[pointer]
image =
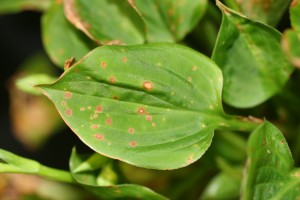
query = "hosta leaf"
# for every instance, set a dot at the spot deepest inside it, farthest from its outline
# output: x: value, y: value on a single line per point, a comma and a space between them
x: 106, y: 21
x: 62, y: 45
x: 265, y: 11
x: 270, y: 173
x: 88, y: 176
x: 9, y: 6
x: 154, y: 106
x: 291, y: 38
x: 245, y: 51
x: 170, y: 20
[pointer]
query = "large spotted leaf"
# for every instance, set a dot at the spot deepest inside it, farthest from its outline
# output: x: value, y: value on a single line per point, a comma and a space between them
x: 270, y: 170
x: 245, y: 51
x: 170, y: 20
x: 153, y: 106
x: 106, y: 21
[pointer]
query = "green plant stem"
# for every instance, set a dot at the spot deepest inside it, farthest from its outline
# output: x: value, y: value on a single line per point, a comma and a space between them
x: 55, y: 174
x: 238, y: 123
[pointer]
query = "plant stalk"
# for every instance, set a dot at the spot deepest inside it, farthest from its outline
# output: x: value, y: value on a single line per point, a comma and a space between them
x: 55, y: 174
x: 238, y: 123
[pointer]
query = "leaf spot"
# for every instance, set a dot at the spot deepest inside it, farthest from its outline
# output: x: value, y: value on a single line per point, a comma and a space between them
x: 94, y: 126
x: 88, y: 77
x: 68, y: 95
x: 133, y: 143
x: 99, y: 109
x: 141, y: 110
x: 99, y: 137
x: 103, y: 64
x: 131, y: 130
x: 89, y: 107
x: 268, y: 151
x: 153, y: 124
x: 194, y: 68
x: 149, y: 118
x: 108, y: 121
x: 148, y: 85
x: 69, y: 112
x: 189, y: 79
x: 95, y: 115
x: 112, y: 79
x: 63, y: 103
x: 203, y: 125
x: 190, y: 159
x: 172, y: 93
x: 124, y: 59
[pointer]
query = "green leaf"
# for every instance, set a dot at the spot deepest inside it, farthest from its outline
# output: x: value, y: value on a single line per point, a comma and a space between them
x: 245, y: 51
x: 62, y: 45
x: 13, y: 6
x: 154, y: 106
x: 266, y: 11
x: 26, y: 84
x: 89, y: 178
x: 170, y: 20
x: 291, y: 38
x: 222, y: 186
x: 106, y: 21
x: 11, y: 163
x: 270, y: 173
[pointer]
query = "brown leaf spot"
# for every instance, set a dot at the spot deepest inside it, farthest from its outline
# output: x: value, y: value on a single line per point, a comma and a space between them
x: 99, y: 136
x: 94, y: 126
x: 131, y: 130
x: 112, y: 79
x: 141, y: 110
x: 115, y: 97
x: 190, y: 159
x: 68, y: 95
x: 69, y: 112
x: 103, y: 64
x: 68, y: 63
x: 194, y: 68
x: 124, y: 59
x: 108, y: 121
x: 82, y: 109
x: 99, y: 109
x: 294, y: 3
x: 148, y: 85
x: 133, y: 143
x: 63, y: 103
x: 149, y: 118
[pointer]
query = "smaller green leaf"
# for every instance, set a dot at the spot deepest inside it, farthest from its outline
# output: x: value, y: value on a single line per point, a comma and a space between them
x: 100, y: 179
x: 291, y: 38
x: 245, y: 51
x: 106, y: 21
x: 62, y: 45
x: 222, y: 186
x: 265, y: 11
x: 170, y: 20
x: 27, y: 83
x: 270, y: 173
x: 13, y: 6
x: 10, y: 162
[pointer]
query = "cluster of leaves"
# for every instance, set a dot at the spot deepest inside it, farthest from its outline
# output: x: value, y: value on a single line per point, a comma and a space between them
x: 143, y: 99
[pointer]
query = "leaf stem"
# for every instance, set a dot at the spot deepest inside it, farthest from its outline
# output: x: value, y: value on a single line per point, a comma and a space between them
x: 55, y: 174
x: 238, y: 123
